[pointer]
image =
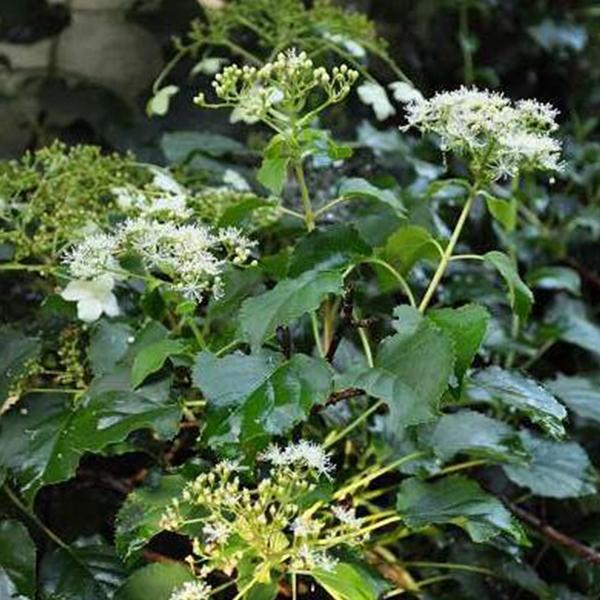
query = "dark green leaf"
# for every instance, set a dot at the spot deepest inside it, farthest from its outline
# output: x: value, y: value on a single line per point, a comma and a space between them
x: 252, y: 398
x: 467, y: 327
x: 517, y: 392
x: 108, y: 344
x: 574, y: 324
x: 335, y: 247
x: 152, y: 358
x: 555, y: 278
x: 180, y: 145
x: 556, y: 469
x: 154, y: 582
x: 459, y: 501
x: 580, y: 394
x: 260, y: 316
x: 361, y: 188
x: 519, y: 294
x: 504, y: 211
x: 88, y: 570
x: 17, y: 557
x: 469, y: 432
x: 15, y: 350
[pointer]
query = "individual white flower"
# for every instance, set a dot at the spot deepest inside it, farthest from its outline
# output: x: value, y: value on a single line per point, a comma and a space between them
x: 192, y: 590
x: 209, y: 65
x: 254, y: 103
x: 94, y: 297
x: 235, y: 180
x: 404, y: 92
x: 216, y: 532
x: 303, y: 453
x: 309, y: 559
x: 374, y: 95
x: 304, y: 526
x: 128, y: 197
x: 353, y: 48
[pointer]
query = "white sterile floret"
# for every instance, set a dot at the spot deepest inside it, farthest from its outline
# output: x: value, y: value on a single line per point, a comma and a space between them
x: 192, y: 590
x: 374, y: 95
x: 94, y: 297
x: 498, y: 137
x: 93, y: 256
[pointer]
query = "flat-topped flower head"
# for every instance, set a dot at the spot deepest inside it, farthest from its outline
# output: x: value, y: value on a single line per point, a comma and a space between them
x: 497, y: 137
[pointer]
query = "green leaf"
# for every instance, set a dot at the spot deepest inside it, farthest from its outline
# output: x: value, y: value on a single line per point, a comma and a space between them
x: 574, y: 324
x: 351, y: 581
x: 15, y: 350
x: 519, y: 294
x: 335, y: 247
x: 504, y: 211
x: 152, y: 358
x: 289, y: 299
x: 467, y: 327
x: 88, y: 570
x: 459, y: 501
x: 108, y: 345
x: 470, y: 432
x: 159, y: 103
x: 517, y: 392
x: 154, y: 582
x: 407, y: 406
x: 138, y: 519
x: 580, y: 394
x: 252, y: 398
x: 419, y: 355
x: 273, y: 173
x: 405, y: 247
x: 17, y: 557
x: 263, y: 591
x: 555, y: 278
x: 8, y: 589
x: 556, y: 469
x: 43, y: 441
x: 361, y: 188
x: 178, y: 146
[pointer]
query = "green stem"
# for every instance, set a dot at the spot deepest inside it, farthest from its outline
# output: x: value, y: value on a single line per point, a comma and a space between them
x: 443, y: 265
x: 315, y: 329
x: 450, y: 567
x: 309, y: 215
x: 336, y: 437
x: 401, y: 280
x: 35, y: 519
x: 364, y: 338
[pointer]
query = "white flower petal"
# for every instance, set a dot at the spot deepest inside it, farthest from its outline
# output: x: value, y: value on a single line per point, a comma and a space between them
x: 404, y: 92
x: 375, y: 96
x: 76, y: 290
x: 89, y: 309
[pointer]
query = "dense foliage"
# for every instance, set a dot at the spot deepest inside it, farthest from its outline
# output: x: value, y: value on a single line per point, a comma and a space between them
x: 314, y: 356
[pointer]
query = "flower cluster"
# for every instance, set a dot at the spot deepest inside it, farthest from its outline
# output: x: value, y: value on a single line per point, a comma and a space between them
x: 280, y: 89
x: 192, y: 590
x: 497, y: 137
x: 191, y: 257
x: 276, y: 523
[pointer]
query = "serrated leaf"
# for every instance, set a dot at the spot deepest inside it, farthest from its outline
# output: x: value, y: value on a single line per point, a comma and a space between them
x: 89, y: 570
x: 273, y: 173
x: 154, y: 582
x: 178, y: 146
x: 574, y: 324
x: 581, y: 394
x: 556, y: 469
x: 43, y: 441
x: 152, y: 358
x: 555, y: 278
x: 475, y: 434
x: 335, y: 247
x: 351, y: 581
x: 467, y: 327
x: 504, y: 211
x: 17, y: 557
x: 138, y: 519
x: 420, y: 355
x: 459, y: 501
x: 289, y: 299
x: 361, y: 188
x: 519, y: 295
x: 252, y: 398
x: 517, y: 392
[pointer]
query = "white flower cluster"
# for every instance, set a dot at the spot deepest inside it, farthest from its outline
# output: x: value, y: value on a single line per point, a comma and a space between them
x: 192, y: 256
x: 498, y: 137
x: 303, y: 453
x: 278, y: 87
x: 268, y: 521
x: 192, y: 590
